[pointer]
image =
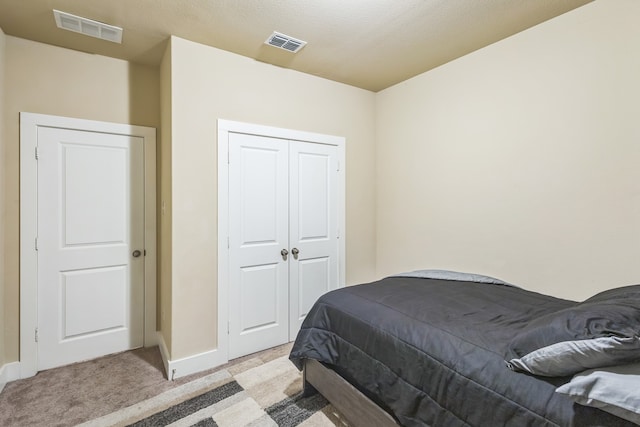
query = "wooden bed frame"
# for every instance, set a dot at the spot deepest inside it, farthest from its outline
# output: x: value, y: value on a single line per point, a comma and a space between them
x: 357, y: 408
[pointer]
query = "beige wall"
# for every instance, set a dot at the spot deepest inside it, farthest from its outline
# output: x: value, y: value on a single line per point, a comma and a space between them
x: 164, y: 172
x: 2, y: 201
x: 521, y: 159
x: 207, y: 84
x: 45, y: 79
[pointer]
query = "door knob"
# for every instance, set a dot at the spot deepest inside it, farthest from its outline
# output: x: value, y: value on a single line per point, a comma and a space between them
x: 284, y: 254
x: 136, y: 253
x: 295, y: 252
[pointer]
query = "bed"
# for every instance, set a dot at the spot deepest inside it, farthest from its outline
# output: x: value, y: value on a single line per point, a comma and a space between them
x: 450, y: 349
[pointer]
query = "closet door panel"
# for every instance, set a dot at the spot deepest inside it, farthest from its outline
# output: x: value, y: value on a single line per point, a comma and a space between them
x: 313, y: 225
x: 259, y: 231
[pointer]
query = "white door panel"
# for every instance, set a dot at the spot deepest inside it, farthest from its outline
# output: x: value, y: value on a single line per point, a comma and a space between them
x: 313, y: 225
x: 261, y: 196
x: 314, y: 278
x: 94, y: 300
x: 311, y: 188
x: 260, y: 295
x: 90, y: 220
x: 258, y: 205
x: 88, y: 202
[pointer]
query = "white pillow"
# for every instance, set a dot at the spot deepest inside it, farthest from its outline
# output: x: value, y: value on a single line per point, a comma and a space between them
x: 614, y: 389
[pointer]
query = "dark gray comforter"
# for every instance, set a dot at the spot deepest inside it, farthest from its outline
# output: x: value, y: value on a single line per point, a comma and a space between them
x: 431, y: 352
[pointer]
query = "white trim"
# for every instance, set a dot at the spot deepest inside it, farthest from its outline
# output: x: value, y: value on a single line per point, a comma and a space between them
x: 150, y: 238
x: 224, y: 128
x: 29, y: 123
x: 188, y: 365
x: 9, y: 372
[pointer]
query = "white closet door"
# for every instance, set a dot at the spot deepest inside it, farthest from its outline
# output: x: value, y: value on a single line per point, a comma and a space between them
x: 90, y: 222
x: 259, y: 231
x: 313, y: 225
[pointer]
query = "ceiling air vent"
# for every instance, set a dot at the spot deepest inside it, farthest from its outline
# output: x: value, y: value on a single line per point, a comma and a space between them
x: 285, y: 42
x: 88, y: 27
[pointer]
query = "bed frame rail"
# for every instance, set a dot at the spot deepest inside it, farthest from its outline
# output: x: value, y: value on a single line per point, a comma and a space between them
x: 357, y: 408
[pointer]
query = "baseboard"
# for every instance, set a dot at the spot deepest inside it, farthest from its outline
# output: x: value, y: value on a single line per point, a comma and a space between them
x: 189, y: 365
x: 9, y: 372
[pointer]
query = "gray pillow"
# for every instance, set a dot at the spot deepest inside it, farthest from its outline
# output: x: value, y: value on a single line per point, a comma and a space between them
x: 614, y: 390
x: 601, y: 331
x: 569, y: 357
x: 615, y: 312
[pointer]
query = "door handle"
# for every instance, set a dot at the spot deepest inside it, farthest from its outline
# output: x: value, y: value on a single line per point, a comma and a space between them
x: 295, y: 253
x: 284, y: 254
x: 136, y: 253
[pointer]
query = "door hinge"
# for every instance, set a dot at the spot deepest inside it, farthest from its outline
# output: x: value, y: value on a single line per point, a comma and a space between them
x: 37, y: 154
x: 36, y: 243
x: 36, y: 335
x: 338, y: 165
x: 144, y: 253
x: 228, y: 328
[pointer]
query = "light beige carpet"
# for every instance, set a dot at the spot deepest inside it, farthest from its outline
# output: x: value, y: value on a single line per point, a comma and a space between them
x: 130, y: 389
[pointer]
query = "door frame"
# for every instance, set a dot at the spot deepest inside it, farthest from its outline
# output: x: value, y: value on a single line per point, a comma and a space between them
x: 225, y: 127
x: 29, y: 124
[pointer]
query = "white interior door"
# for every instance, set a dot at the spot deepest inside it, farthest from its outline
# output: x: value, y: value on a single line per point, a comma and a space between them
x: 90, y: 245
x: 259, y: 229
x: 313, y: 227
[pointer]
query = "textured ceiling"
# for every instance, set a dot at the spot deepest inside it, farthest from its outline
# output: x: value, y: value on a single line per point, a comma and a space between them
x: 371, y: 44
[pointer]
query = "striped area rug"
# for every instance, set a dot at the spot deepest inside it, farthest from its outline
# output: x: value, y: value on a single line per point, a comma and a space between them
x: 268, y: 394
